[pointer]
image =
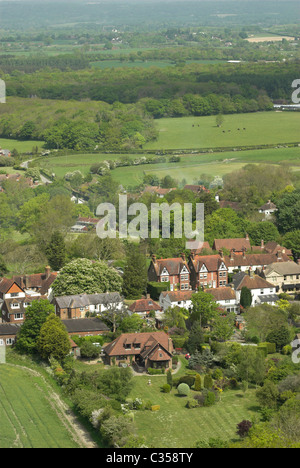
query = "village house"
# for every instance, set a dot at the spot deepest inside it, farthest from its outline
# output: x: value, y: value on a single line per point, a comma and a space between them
x: 268, y: 209
x: 208, y: 271
x: 244, y: 262
x: 285, y: 276
x: 143, y: 307
x: 144, y: 350
x: 170, y: 270
x: 82, y: 305
x: 38, y: 284
x: 171, y: 299
x: 196, y: 189
x: 225, y: 298
x: 84, y: 225
x: 238, y: 245
x: 262, y: 291
x: 158, y: 191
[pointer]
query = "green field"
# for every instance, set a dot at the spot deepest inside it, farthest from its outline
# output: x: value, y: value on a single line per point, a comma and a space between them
x: 190, y: 167
x: 262, y: 128
x: 21, y: 146
x: 29, y: 415
x: 175, y: 426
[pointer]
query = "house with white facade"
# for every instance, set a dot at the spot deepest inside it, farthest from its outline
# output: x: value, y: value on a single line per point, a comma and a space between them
x: 262, y: 291
x: 285, y: 276
x: 172, y: 299
x: 225, y: 298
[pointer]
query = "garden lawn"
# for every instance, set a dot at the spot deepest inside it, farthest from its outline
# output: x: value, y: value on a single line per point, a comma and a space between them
x: 261, y: 128
x: 29, y: 418
x: 175, y: 426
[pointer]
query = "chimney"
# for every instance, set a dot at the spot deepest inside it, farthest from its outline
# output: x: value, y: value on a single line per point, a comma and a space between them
x: 221, y: 254
x: 192, y: 254
x: 183, y: 257
x: 231, y: 255
x: 26, y: 281
x: 279, y: 255
x: 154, y: 258
x: 244, y: 252
x: 247, y: 236
x: 47, y: 272
x: 262, y: 245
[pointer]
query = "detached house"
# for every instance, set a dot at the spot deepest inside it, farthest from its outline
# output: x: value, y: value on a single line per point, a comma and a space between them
x: 268, y: 209
x: 225, y: 298
x: 285, y: 276
x: 262, y: 291
x: 169, y: 299
x: 144, y: 306
x: 208, y: 271
x: 81, y: 305
x: 173, y: 270
x: 142, y: 349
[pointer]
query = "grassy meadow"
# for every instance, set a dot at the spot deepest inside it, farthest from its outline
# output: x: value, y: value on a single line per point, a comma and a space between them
x: 190, y: 167
x: 262, y: 128
x: 28, y: 413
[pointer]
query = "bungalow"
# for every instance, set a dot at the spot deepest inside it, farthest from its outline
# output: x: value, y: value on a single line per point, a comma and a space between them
x: 225, y: 298
x: 81, y: 305
x: 143, y: 349
x: 262, y: 291
x: 173, y: 270
x: 285, y: 276
x: 169, y: 299
x: 208, y: 271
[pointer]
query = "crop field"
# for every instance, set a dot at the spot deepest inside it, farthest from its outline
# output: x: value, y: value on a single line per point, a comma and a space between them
x: 176, y: 426
x: 29, y: 415
x: 262, y: 128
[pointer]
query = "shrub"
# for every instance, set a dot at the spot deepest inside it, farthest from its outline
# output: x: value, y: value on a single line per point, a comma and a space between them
x: 198, y: 383
x: 187, y: 379
x: 191, y: 403
x: 155, y: 408
x: 243, y: 428
x: 210, y: 399
x: 217, y: 374
x: 166, y: 388
x: 287, y: 350
x: 155, y: 371
x: 183, y: 389
x: 208, y: 381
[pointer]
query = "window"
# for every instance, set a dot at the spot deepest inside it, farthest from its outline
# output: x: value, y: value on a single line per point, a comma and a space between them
x: 14, y: 295
x: 10, y: 341
x: 15, y: 306
x: 18, y: 316
x: 127, y: 346
x: 164, y: 279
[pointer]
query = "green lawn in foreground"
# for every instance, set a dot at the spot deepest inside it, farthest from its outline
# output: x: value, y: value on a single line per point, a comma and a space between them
x: 175, y: 426
x: 261, y: 128
x: 28, y: 417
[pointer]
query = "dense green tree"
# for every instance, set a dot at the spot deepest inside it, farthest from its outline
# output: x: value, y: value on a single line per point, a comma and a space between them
x: 204, y: 308
x: 135, y: 273
x: 56, y: 251
x: 36, y: 315
x: 83, y: 275
x: 53, y: 340
x: 246, y: 297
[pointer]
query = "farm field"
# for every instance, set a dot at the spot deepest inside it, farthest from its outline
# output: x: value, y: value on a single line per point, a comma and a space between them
x: 30, y: 417
x: 190, y: 167
x: 21, y: 146
x: 202, y: 132
x: 175, y: 426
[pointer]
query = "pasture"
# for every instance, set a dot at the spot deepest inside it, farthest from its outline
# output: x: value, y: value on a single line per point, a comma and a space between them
x: 19, y: 145
x: 29, y: 414
x: 190, y: 167
x: 259, y: 128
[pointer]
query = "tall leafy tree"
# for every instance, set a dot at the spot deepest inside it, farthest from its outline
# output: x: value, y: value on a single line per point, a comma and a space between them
x: 56, y: 251
x: 246, y: 297
x: 204, y: 308
x: 135, y: 274
x: 53, y: 339
x: 36, y: 315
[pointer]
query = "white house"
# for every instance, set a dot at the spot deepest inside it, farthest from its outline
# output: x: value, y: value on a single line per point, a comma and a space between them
x: 225, y: 298
x: 262, y: 291
x: 268, y: 209
x: 169, y: 299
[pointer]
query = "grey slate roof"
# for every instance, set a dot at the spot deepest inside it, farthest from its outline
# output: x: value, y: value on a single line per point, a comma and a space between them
x: 84, y: 325
x: 84, y: 300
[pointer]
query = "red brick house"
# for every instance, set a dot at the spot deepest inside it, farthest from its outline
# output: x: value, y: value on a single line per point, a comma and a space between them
x: 176, y: 271
x: 144, y: 349
x: 208, y: 271
x: 8, y: 333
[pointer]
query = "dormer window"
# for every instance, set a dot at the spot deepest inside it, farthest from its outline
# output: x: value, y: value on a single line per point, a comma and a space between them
x: 127, y: 346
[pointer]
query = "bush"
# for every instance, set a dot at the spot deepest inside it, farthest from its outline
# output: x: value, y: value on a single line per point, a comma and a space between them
x: 191, y: 403
x: 187, y: 379
x: 155, y: 371
x: 208, y: 381
x: 155, y: 408
x: 287, y: 350
x: 166, y: 388
x: 183, y: 389
x: 198, y: 383
x: 210, y: 399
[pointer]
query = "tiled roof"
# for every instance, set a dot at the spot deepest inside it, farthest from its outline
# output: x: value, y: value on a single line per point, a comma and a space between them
x: 256, y: 282
x: 144, y: 305
x: 229, y: 244
x: 212, y: 262
x: 254, y: 259
x: 147, y: 342
x: 222, y: 294
x: 84, y: 325
x: 173, y: 265
x: 177, y: 296
x: 9, y: 329
x: 84, y: 300
x: 283, y: 268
